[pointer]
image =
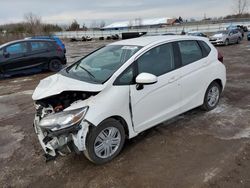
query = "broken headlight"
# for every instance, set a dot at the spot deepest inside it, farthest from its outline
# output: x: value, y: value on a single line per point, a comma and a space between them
x: 63, y: 119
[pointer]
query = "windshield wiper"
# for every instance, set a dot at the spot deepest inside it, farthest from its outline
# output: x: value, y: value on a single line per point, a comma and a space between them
x: 87, y: 71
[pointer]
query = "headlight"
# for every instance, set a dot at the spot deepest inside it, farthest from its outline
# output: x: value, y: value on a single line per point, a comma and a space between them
x: 63, y: 120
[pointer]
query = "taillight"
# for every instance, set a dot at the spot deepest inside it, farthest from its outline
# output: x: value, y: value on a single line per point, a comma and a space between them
x: 220, y: 57
x: 58, y: 48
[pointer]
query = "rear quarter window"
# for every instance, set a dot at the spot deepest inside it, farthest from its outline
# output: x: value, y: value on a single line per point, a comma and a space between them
x: 205, y: 48
x: 37, y: 46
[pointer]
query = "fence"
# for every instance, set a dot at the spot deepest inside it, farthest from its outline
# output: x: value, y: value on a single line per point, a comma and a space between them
x: 202, y: 27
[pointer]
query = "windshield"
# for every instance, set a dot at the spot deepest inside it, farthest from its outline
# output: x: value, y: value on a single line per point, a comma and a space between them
x: 221, y: 32
x: 99, y: 66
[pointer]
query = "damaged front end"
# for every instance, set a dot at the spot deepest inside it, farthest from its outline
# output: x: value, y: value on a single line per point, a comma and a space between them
x: 60, y: 127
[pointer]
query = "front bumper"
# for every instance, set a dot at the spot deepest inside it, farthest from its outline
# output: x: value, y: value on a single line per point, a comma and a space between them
x: 217, y: 42
x: 62, y: 141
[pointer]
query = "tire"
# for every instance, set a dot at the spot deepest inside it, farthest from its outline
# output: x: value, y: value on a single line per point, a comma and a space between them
x: 55, y: 65
x: 238, y: 40
x: 212, y: 97
x: 98, y: 142
x: 226, y: 42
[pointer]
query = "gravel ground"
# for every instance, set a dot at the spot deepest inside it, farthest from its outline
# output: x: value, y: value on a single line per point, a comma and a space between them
x: 196, y: 149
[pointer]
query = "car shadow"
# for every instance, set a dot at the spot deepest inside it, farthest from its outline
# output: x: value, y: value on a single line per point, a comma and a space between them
x: 22, y: 73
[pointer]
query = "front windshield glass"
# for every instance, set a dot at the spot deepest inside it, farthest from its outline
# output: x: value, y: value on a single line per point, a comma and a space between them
x: 99, y: 66
x: 221, y: 32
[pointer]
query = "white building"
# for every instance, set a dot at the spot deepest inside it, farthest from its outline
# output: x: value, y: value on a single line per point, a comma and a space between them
x: 142, y: 23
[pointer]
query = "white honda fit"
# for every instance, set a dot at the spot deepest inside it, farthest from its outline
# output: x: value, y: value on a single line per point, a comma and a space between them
x: 123, y: 89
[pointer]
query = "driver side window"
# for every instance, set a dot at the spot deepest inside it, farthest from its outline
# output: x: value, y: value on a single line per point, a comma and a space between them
x: 157, y: 61
x: 18, y: 48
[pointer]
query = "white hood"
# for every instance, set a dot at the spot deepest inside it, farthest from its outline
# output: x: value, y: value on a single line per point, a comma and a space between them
x: 220, y: 35
x: 56, y: 84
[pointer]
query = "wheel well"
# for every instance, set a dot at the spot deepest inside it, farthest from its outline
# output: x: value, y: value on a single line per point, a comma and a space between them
x: 218, y: 81
x: 123, y: 122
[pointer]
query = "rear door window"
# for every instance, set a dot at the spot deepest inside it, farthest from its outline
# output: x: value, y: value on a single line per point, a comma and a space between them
x: 18, y: 48
x: 190, y: 52
x: 38, y: 46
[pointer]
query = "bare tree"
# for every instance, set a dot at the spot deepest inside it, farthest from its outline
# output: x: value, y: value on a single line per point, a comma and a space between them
x: 34, y: 23
x: 241, y: 6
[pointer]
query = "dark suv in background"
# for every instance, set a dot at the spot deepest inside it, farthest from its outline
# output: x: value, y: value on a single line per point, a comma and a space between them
x: 30, y: 53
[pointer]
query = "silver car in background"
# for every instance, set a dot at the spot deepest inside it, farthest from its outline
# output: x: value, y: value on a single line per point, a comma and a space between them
x: 226, y: 37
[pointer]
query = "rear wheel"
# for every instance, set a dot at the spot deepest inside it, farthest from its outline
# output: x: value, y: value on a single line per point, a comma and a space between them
x: 212, y: 96
x: 105, y: 141
x: 55, y: 65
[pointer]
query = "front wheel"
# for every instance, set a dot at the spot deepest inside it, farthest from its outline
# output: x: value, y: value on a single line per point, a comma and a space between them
x: 212, y: 96
x: 227, y: 42
x: 105, y: 141
x: 238, y: 40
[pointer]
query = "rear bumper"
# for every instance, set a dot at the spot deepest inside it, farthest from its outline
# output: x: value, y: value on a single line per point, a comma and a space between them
x: 64, y: 60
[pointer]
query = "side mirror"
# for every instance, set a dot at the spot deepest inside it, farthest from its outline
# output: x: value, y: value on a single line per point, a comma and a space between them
x: 145, y: 79
x: 6, y: 54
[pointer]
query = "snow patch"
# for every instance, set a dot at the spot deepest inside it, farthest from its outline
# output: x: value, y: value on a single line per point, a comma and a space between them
x: 21, y: 80
x: 210, y: 174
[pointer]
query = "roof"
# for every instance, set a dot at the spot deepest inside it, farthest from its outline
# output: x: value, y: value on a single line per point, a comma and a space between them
x: 25, y: 40
x: 139, y: 22
x: 145, y: 41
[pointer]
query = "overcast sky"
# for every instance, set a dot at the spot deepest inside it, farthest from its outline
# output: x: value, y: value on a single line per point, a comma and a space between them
x: 64, y: 11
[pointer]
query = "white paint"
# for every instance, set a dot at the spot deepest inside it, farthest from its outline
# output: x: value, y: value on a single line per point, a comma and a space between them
x: 174, y: 92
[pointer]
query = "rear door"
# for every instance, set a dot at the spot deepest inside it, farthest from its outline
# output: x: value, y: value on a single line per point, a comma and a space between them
x: 39, y: 53
x: 193, y: 72
x: 14, y: 56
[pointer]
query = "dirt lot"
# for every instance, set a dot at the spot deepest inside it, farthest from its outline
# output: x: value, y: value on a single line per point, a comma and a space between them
x: 196, y: 149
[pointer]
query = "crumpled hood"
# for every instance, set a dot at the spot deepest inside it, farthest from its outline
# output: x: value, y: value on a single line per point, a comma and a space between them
x: 56, y: 84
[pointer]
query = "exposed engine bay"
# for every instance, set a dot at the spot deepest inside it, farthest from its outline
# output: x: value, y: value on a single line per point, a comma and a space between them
x: 61, y: 132
x: 58, y: 103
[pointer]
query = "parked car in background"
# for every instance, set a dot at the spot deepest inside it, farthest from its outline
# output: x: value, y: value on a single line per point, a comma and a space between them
x: 123, y: 89
x: 55, y: 38
x: 29, y: 53
x: 226, y: 37
x: 248, y: 36
x: 242, y: 29
x: 196, y: 33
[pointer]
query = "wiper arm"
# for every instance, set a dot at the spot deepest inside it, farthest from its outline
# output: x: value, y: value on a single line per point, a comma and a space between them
x: 87, y: 71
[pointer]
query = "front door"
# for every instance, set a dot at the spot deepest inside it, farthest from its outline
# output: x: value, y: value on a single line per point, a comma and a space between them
x: 14, y: 57
x: 160, y: 101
